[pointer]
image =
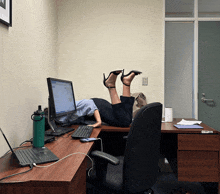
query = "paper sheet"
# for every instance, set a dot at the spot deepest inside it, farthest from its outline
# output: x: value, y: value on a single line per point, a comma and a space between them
x: 187, y: 122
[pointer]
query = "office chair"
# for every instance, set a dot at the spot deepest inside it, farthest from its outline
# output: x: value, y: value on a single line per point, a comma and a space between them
x: 136, y: 171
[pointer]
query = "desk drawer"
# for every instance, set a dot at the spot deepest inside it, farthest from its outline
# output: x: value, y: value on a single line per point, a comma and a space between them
x: 198, y: 142
x: 199, y: 166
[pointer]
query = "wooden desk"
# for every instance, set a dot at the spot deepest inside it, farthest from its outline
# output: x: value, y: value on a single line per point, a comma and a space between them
x: 198, y: 160
x: 67, y: 176
x: 165, y: 128
x: 197, y: 153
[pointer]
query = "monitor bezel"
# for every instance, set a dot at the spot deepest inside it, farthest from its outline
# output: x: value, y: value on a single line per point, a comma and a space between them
x: 54, y: 114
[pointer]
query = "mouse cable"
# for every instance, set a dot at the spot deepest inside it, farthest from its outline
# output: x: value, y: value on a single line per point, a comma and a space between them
x: 65, y: 158
x: 25, y: 142
x: 101, y: 143
x: 31, y: 167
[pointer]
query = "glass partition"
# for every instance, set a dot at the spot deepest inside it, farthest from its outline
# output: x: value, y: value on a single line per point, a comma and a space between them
x: 179, y: 8
x: 179, y: 41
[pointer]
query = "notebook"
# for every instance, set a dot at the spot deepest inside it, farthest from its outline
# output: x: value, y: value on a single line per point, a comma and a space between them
x: 32, y: 155
x: 188, y: 126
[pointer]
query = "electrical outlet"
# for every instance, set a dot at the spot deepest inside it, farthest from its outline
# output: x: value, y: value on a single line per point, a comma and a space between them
x: 144, y: 81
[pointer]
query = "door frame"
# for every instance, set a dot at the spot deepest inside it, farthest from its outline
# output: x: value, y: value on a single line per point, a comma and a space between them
x: 196, y: 21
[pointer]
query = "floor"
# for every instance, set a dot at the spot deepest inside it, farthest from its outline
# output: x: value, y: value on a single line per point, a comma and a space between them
x: 167, y: 182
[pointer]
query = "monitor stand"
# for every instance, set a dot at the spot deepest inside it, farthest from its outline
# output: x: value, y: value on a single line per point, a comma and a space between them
x: 55, y: 130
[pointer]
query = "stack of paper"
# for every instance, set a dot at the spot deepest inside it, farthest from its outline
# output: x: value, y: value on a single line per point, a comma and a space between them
x: 185, y: 122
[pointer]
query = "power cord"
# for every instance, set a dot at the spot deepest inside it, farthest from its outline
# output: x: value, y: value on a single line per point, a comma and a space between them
x: 65, y: 158
x: 31, y: 167
x: 101, y: 143
x: 25, y: 142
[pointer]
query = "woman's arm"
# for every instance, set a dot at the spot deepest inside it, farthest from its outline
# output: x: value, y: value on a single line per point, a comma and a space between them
x: 97, y: 118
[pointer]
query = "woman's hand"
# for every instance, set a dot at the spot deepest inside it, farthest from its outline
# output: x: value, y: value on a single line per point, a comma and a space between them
x: 97, y: 124
x: 97, y: 118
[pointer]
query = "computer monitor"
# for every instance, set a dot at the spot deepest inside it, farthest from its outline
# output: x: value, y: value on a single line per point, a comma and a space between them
x: 61, y: 98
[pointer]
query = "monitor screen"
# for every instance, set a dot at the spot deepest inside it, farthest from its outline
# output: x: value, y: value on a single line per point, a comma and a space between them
x: 61, y: 97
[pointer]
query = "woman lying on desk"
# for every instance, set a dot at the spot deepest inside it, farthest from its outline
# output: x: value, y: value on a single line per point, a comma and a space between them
x: 119, y: 112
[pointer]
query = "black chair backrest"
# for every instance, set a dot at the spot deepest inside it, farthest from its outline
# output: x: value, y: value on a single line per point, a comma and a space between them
x: 142, y: 151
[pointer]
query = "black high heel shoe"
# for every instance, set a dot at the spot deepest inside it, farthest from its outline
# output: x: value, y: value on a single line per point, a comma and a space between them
x: 114, y: 72
x: 133, y: 71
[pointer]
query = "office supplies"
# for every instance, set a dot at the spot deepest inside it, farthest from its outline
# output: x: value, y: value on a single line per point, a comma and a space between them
x: 88, y: 139
x: 61, y: 105
x: 83, y: 131
x: 32, y: 155
x: 38, y: 127
x: 188, y: 126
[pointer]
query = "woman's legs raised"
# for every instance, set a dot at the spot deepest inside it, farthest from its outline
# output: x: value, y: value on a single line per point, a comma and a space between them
x: 126, y: 84
x: 110, y: 84
x: 126, y: 88
x: 126, y: 91
x: 114, y: 96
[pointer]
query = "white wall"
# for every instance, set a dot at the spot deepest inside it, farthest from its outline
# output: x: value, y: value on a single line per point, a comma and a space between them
x: 27, y: 58
x: 98, y: 36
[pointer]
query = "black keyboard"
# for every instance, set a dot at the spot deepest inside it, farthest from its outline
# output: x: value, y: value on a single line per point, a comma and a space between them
x: 83, y: 131
x: 59, y: 131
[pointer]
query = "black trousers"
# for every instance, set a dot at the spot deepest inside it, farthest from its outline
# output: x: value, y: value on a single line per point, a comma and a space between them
x: 119, y: 115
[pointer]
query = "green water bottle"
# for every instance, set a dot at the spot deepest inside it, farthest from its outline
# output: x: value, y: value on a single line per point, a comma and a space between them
x: 38, y: 127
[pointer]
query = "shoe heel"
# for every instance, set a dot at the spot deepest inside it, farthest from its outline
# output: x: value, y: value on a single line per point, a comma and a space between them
x: 104, y: 80
x: 122, y: 75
